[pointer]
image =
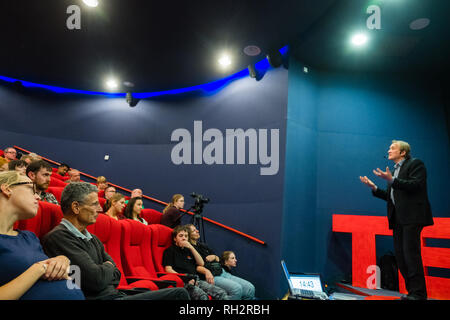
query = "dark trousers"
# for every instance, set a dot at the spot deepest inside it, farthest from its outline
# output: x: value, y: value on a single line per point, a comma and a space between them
x: 162, y: 294
x: 409, y: 258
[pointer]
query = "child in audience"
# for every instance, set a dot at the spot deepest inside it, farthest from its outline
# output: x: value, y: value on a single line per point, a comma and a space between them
x: 26, y: 272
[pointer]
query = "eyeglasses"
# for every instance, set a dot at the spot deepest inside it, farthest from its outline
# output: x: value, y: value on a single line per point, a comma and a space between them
x: 26, y: 182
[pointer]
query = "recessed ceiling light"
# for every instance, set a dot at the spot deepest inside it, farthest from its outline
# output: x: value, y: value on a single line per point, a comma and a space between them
x: 359, y: 39
x: 224, y: 60
x: 91, y: 3
x: 252, y: 50
x: 111, y: 83
x: 419, y: 24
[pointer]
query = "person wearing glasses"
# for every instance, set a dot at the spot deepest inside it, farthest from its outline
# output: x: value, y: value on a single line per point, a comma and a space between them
x: 9, y: 154
x: 26, y: 272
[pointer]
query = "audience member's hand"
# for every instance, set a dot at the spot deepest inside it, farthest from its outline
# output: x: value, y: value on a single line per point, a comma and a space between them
x: 192, y: 282
x: 57, y: 268
x: 186, y: 244
x: 209, y: 277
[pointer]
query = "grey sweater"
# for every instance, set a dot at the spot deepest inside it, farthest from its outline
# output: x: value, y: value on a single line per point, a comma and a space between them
x: 98, y: 278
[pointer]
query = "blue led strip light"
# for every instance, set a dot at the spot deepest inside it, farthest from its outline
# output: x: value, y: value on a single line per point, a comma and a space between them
x: 208, y: 87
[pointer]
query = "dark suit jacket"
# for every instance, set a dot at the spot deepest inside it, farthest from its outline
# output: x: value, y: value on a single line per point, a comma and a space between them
x: 410, y: 194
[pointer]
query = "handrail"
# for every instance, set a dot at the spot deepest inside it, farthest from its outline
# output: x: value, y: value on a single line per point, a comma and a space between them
x: 156, y: 200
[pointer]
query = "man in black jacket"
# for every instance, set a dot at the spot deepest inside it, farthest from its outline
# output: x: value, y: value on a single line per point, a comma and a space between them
x: 408, y: 211
x: 99, y: 274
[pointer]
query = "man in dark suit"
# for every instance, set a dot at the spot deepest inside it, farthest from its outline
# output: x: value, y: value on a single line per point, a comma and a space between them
x: 408, y: 211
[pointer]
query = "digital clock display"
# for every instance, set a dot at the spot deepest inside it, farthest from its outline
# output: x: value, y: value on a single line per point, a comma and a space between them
x: 306, y: 283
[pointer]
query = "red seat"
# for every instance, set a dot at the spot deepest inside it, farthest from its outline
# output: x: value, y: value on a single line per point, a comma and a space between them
x: 56, y: 191
x: 54, y: 182
x: 136, y: 253
x: 102, y: 203
x: 161, y: 239
x: 151, y: 216
x: 49, y: 215
x: 109, y: 232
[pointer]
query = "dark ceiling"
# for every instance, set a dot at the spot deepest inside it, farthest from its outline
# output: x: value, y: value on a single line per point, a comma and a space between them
x: 160, y: 45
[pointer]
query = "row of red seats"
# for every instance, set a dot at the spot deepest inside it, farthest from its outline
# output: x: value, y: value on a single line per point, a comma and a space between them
x: 136, y: 249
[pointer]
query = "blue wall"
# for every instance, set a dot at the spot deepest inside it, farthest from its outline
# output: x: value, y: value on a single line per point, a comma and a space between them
x: 339, y: 127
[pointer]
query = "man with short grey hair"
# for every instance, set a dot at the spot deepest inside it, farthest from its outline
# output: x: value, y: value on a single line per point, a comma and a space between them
x: 99, y: 274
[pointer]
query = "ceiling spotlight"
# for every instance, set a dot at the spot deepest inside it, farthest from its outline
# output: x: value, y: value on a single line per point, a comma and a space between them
x: 224, y: 60
x: 111, y: 84
x: 419, y: 24
x: 359, y: 39
x: 91, y: 3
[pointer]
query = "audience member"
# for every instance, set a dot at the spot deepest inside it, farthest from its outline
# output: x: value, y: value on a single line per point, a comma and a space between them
x: 74, y: 176
x: 3, y: 164
x: 9, y: 154
x: 228, y: 261
x: 34, y: 156
x: 136, y: 193
x: 39, y: 172
x: 115, y: 206
x: 62, y: 170
x: 182, y: 257
x: 99, y: 274
x: 171, y: 214
x: 109, y: 192
x: 26, y: 272
x: 236, y: 288
x: 102, y: 184
x: 133, y: 210
x: 27, y: 158
x: 18, y: 165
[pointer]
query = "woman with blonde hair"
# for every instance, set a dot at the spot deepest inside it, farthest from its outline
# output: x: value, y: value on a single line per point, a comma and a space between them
x: 172, y: 213
x: 115, y: 206
x: 27, y: 273
x: 102, y: 184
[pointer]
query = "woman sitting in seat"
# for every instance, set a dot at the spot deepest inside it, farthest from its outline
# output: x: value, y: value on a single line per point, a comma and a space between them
x: 115, y: 205
x: 171, y: 214
x: 26, y: 272
x: 133, y: 210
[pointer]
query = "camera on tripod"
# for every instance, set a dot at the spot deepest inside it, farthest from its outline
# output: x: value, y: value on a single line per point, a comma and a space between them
x: 197, y: 218
x: 199, y: 202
